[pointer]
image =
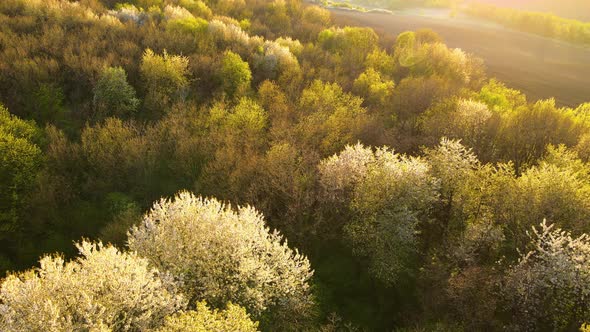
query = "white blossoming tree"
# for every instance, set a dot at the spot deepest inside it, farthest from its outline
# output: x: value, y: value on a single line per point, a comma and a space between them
x: 223, y: 255
x: 389, y: 194
x: 549, y: 288
x: 103, y: 290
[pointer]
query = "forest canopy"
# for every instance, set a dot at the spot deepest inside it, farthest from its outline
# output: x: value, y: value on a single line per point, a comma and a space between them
x: 245, y: 165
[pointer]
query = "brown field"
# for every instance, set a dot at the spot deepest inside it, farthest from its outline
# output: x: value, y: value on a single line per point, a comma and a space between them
x: 540, y: 67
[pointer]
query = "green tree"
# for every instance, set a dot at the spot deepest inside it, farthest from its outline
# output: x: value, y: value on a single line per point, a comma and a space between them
x: 390, y: 194
x: 350, y: 44
x: 470, y: 121
x: 499, y: 98
x: 202, y: 319
x: 165, y: 80
x: 235, y: 75
x: 113, y: 96
x: 20, y: 163
x: 331, y: 118
x: 114, y: 152
x: 376, y: 90
x: 526, y: 131
x: 237, y: 139
x: 382, y: 62
x: 47, y: 104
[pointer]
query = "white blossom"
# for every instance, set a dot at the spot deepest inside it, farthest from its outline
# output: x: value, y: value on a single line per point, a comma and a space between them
x: 550, y: 285
x: 102, y: 290
x: 222, y: 255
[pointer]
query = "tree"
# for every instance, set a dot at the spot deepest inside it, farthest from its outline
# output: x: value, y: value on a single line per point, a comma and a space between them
x: 422, y: 54
x: 455, y: 167
x: 235, y: 75
x: 526, y: 131
x: 499, y: 98
x: 555, y: 191
x: 391, y: 195
x: 331, y: 118
x: 280, y: 111
x: 202, y: 319
x: 165, y: 80
x: 451, y: 163
x: 237, y: 139
x: 351, y: 44
x: 113, y: 96
x: 224, y: 255
x: 284, y: 188
x: 20, y: 162
x: 102, y: 290
x: 547, y: 287
x: 411, y: 98
x: 114, y: 151
x: 470, y: 121
x: 376, y: 90
x: 46, y: 104
x: 382, y: 62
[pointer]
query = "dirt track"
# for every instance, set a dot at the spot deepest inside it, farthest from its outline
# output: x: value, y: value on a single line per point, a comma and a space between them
x: 540, y: 67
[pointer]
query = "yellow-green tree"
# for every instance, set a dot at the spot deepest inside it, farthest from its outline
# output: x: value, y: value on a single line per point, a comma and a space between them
x: 235, y: 75
x: 165, y: 79
x: 20, y: 162
x: 234, y: 318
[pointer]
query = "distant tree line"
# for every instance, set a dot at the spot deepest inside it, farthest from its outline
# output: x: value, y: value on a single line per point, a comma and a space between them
x: 543, y: 24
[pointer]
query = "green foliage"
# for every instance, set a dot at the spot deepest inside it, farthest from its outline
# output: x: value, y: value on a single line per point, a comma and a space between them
x: 351, y: 44
x: 391, y: 194
x: 382, y: 62
x: 197, y: 8
x: 46, y: 105
x: 331, y: 118
x: 165, y: 79
x: 373, y: 88
x: 500, y: 98
x: 20, y: 162
x: 203, y: 319
x: 235, y: 75
x: 470, y: 121
x: 536, y: 126
x: 113, y: 96
x: 247, y: 120
x: 423, y: 54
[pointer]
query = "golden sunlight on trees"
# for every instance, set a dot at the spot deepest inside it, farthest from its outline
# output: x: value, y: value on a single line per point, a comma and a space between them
x: 223, y: 255
x: 408, y: 182
x: 103, y: 290
x: 203, y: 319
x: 165, y: 79
x: 389, y: 195
x: 235, y: 75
